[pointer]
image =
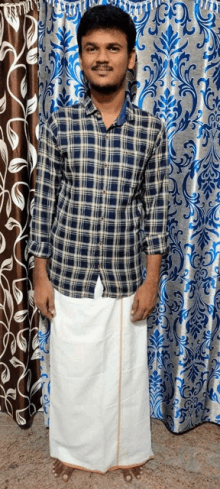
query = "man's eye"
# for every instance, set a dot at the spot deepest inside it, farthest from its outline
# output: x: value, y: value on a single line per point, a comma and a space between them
x: 90, y: 49
x: 114, y: 48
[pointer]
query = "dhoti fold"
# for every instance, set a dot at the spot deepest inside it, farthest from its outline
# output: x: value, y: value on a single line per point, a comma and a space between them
x: 99, y: 417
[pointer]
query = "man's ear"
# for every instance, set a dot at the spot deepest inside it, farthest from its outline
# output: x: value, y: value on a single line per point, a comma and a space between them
x: 132, y: 59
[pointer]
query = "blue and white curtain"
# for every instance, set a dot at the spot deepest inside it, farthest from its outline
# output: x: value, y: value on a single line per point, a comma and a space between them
x: 177, y: 77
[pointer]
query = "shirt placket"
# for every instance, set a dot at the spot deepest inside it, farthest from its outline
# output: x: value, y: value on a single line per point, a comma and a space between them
x: 104, y: 194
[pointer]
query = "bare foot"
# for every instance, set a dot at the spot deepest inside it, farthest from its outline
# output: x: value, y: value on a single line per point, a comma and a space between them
x: 59, y: 468
x: 127, y: 475
x: 136, y: 471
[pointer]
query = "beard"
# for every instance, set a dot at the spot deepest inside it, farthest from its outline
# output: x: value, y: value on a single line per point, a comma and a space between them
x: 106, y: 89
x: 109, y: 88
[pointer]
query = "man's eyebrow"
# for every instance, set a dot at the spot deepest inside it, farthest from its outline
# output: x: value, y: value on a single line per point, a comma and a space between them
x: 110, y: 44
x: 115, y: 44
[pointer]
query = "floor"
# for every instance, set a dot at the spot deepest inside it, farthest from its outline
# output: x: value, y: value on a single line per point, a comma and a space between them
x: 187, y: 461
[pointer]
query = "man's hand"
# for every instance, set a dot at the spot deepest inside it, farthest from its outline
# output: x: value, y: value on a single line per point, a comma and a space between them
x: 43, y: 289
x: 44, y: 298
x: 144, y: 301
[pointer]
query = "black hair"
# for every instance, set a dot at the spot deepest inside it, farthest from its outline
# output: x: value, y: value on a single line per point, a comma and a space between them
x: 107, y: 17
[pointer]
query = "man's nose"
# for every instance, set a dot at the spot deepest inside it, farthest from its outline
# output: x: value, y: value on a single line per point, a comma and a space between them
x: 102, y: 55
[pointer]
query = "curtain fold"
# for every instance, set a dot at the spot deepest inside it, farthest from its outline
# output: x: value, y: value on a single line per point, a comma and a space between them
x: 20, y: 383
x: 177, y: 78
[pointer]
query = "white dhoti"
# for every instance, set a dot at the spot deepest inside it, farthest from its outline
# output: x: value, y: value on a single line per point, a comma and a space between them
x: 99, y: 418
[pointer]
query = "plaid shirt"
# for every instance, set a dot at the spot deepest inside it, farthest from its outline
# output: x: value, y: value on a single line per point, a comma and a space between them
x: 93, y: 187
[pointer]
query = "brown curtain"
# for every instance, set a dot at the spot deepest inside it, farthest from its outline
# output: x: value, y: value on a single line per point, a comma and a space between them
x: 20, y: 385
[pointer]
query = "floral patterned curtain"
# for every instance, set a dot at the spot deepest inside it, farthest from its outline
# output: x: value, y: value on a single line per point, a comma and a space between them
x: 178, y: 79
x: 20, y: 384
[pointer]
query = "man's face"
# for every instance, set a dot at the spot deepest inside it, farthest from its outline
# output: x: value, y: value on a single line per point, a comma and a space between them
x: 105, y: 59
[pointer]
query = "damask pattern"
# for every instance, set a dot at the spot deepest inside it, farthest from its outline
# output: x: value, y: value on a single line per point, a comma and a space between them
x: 20, y: 384
x: 177, y: 78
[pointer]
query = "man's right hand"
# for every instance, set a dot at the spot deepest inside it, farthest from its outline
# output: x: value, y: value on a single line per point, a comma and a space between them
x: 43, y: 288
x: 44, y: 298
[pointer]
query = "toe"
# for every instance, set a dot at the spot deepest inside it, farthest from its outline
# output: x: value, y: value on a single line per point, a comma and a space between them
x: 67, y: 473
x: 127, y: 475
x: 57, y: 468
x: 137, y: 471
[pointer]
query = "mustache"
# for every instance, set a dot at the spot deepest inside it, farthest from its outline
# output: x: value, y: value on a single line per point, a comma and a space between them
x: 106, y: 67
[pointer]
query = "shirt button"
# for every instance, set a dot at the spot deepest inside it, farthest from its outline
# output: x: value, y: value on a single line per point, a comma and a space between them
x: 99, y: 114
x: 99, y: 266
x: 106, y: 136
x: 102, y: 218
x: 104, y: 191
x: 100, y: 244
x: 106, y: 164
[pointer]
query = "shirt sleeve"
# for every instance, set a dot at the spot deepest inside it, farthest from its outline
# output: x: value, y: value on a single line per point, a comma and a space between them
x: 48, y: 182
x: 155, y: 198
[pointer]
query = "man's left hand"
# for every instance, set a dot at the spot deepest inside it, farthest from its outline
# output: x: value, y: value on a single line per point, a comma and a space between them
x: 144, y: 301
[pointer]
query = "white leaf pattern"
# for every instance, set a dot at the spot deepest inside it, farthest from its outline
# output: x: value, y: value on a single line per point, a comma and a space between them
x: 32, y: 56
x: 32, y: 32
x: 12, y: 136
x: 11, y: 393
x: 9, y: 408
x: 31, y: 298
x: 32, y: 105
x: 18, y: 294
x: 12, y: 18
x: 20, y: 420
x: 5, y: 47
x: 11, y: 223
x: 24, y: 87
x: 37, y: 131
x: 2, y: 243
x: 4, y: 151
x: 20, y: 316
x: 7, y: 264
x: 3, y: 104
x: 9, y: 301
x: 5, y: 374
x: 16, y: 165
x: 35, y: 387
x: 13, y: 346
x: 35, y: 342
x: 36, y: 355
x: 21, y: 340
x: 17, y: 196
x: 31, y: 262
x: 8, y: 206
x: 16, y: 363
x: 32, y: 155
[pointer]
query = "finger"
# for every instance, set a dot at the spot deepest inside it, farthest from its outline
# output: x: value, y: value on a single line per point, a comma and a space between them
x: 139, y: 315
x: 134, y: 306
x: 51, y: 311
x: 50, y: 305
x: 43, y: 309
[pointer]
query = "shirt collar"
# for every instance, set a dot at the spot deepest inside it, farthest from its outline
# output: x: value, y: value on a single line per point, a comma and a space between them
x: 127, y: 111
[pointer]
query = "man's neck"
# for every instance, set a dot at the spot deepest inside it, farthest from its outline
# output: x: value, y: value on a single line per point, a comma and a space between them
x: 109, y: 105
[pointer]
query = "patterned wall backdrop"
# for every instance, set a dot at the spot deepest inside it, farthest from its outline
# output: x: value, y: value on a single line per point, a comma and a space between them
x: 20, y: 386
x: 178, y: 79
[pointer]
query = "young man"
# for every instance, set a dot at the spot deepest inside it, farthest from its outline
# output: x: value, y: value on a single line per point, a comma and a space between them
x: 101, y: 164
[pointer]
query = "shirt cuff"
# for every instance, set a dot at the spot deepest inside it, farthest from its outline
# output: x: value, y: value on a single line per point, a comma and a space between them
x: 42, y: 250
x: 155, y: 245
